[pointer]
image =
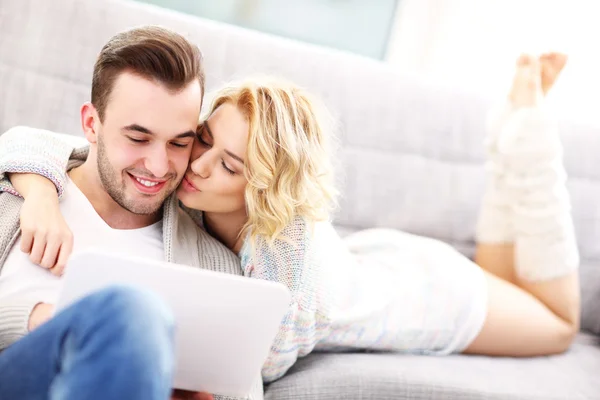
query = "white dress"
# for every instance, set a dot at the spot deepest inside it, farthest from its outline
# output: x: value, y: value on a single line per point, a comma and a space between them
x: 378, y: 289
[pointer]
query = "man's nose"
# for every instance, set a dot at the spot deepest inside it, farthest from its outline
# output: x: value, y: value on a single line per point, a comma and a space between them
x: 157, y: 162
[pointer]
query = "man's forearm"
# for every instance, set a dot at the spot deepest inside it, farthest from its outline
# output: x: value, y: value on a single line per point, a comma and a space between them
x: 14, y: 319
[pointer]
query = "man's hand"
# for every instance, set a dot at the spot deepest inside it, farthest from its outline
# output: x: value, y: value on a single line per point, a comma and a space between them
x: 41, y: 313
x: 45, y: 235
x: 185, y: 395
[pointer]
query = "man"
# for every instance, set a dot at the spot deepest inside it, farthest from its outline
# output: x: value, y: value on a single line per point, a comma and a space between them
x: 146, y: 97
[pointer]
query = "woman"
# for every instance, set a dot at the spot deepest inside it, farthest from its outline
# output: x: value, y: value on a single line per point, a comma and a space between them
x: 261, y: 174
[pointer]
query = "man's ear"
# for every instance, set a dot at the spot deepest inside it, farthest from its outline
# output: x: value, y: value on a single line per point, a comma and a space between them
x: 90, y: 122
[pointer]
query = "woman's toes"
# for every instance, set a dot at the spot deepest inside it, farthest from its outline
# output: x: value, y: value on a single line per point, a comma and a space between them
x: 526, y: 86
x: 524, y: 60
x: 551, y: 64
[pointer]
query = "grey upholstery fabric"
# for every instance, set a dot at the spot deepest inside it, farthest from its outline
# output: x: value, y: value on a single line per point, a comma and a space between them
x: 569, y: 376
x: 411, y: 158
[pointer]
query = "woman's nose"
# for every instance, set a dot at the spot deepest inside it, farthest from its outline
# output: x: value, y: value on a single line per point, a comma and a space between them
x: 202, y: 165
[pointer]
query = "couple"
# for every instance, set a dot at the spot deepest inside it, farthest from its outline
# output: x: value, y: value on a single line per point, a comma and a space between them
x: 260, y: 172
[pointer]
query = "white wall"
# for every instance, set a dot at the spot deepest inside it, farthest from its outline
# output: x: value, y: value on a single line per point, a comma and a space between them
x: 473, y: 44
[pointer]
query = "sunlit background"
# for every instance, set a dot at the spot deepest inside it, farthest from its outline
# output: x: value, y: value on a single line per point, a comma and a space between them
x: 467, y: 43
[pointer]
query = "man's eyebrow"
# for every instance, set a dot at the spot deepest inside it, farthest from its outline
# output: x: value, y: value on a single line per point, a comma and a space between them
x: 229, y: 153
x: 141, y: 129
x: 138, y: 128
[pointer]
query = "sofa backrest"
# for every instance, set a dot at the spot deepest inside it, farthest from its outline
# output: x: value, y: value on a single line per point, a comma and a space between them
x: 411, y: 152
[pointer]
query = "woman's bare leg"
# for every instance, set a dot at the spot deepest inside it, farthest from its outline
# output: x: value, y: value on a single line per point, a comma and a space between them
x: 519, y: 324
x: 498, y: 259
x: 533, y: 285
x: 495, y: 231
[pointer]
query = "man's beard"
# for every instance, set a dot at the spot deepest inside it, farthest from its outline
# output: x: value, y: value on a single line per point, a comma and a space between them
x: 117, y: 191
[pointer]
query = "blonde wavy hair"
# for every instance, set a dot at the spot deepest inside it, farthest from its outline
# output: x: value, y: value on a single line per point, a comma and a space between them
x: 289, y: 156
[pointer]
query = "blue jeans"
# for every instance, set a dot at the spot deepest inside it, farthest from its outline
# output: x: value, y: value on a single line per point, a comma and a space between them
x: 114, y: 344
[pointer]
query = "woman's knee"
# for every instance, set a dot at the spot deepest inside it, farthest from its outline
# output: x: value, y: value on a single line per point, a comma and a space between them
x: 565, y: 337
x: 518, y: 324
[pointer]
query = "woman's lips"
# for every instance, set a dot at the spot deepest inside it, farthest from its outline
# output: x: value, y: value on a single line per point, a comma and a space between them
x: 188, y: 185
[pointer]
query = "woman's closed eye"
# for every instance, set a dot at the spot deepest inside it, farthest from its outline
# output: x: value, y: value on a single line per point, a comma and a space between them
x: 203, y: 142
x: 203, y: 138
x: 227, y: 169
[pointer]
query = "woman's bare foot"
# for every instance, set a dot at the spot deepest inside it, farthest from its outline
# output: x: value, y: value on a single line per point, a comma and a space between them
x: 526, y: 90
x: 551, y: 64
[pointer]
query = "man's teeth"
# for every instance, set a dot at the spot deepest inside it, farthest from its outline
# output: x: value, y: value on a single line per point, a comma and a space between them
x: 146, y: 183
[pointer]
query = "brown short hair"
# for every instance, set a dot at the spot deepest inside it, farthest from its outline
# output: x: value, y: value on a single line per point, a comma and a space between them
x: 152, y: 52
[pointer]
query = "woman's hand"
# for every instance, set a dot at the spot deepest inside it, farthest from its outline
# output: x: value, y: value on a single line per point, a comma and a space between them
x: 45, y: 235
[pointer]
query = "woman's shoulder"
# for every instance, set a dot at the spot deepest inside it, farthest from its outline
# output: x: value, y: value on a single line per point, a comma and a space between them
x: 296, y: 240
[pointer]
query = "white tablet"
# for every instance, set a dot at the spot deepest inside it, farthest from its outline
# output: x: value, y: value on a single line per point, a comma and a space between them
x: 225, y: 323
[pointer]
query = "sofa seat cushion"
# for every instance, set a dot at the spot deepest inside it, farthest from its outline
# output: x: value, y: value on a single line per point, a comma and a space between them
x: 569, y: 376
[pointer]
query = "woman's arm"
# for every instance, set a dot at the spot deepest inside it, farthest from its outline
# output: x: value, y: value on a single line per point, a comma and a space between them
x: 37, y: 151
x: 32, y: 185
x: 308, y: 318
x: 33, y: 164
x: 45, y: 235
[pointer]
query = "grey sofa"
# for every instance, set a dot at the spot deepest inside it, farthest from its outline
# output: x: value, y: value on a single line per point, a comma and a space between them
x: 412, y: 159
